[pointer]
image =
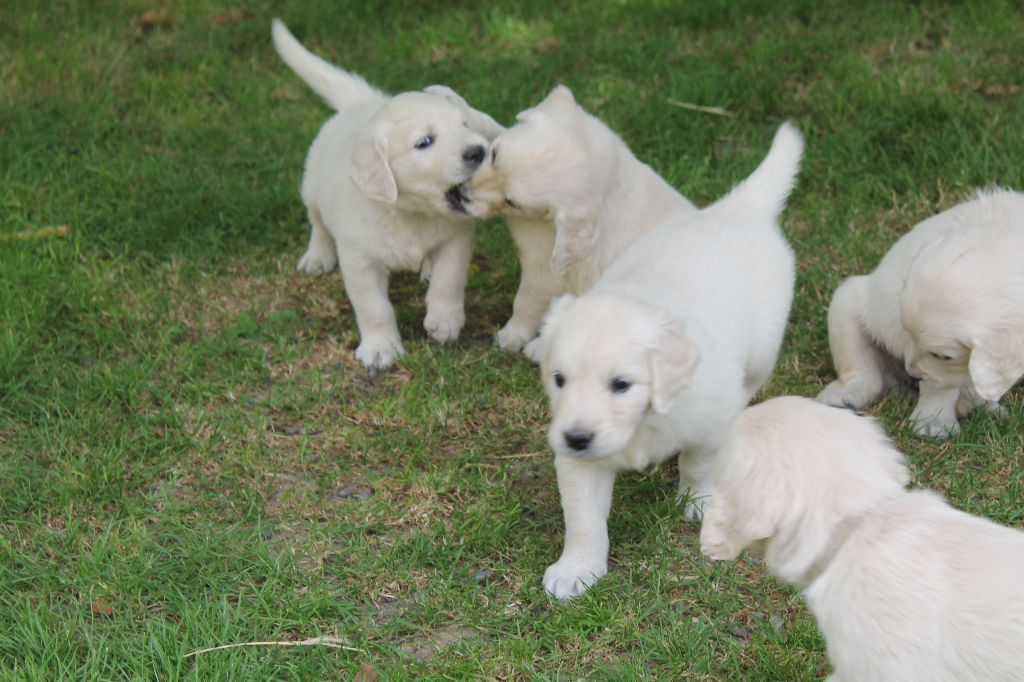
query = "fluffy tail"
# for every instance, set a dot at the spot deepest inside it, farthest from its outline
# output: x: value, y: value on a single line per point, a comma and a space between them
x: 765, y: 191
x: 340, y: 88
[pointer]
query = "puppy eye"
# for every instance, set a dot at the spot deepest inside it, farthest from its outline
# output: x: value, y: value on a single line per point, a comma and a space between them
x: 494, y: 155
x: 559, y: 379
x: 425, y: 142
x: 620, y: 385
x: 941, y: 357
x: 511, y: 204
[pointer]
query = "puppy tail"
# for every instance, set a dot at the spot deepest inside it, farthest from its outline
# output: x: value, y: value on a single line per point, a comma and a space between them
x: 338, y: 87
x: 765, y: 191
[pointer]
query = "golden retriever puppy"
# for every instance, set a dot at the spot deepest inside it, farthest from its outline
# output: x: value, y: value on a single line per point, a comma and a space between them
x: 945, y: 305
x: 380, y: 187
x: 903, y: 586
x: 663, y: 352
x: 575, y: 197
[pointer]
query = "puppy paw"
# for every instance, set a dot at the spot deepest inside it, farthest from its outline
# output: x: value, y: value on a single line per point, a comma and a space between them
x: 445, y: 325
x: 696, y: 504
x: 377, y: 355
x: 855, y: 394
x: 566, y: 579
x: 936, y: 427
x: 513, y: 337
x: 315, y: 261
x: 532, y: 350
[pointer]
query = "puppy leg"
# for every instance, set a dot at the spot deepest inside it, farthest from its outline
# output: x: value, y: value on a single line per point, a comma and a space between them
x: 367, y: 287
x: 538, y: 285
x: 696, y: 481
x: 586, y: 492
x: 321, y: 254
x: 861, y: 365
x: 935, y: 413
x: 969, y: 401
x: 448, y: 267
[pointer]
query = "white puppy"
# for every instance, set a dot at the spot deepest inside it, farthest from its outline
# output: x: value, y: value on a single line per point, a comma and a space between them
x: 947, y: 302
x: 663, y: 352
x: 575, y: 197
x: 903, y: 586
x: 381, y: 190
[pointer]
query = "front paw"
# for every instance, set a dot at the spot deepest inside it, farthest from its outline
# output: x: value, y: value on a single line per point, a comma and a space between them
x: 855, y: 393
x: 566, y: 578
x: 444, y: 326
x: 315, y: 261
x: 378, y: 354
x: 532, y: 350
x: 940, y: 426
x: 696, y: 503
x: 514, y: 337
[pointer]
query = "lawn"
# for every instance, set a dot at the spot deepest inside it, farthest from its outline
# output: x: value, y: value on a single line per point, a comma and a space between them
x: 190, y: 456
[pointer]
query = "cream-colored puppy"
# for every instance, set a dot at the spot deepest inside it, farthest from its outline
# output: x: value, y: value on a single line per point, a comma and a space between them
x: 575, y: 197
x: 903, y: 586
x: 663, y: 352
x: 381, y: 188
x: 945, y: 305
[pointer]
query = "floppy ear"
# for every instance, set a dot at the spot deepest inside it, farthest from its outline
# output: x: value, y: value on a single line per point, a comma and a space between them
x: 996, y: 363
x: 478, y: 121
x: 370, y: 169
x: 575, y: 235
x: 673, y: 363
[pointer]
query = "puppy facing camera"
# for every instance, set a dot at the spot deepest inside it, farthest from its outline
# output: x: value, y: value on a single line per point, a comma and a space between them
x: 663, y: 352
x: 381, y: 189
x: 946, y: 306
x: 575, y: 198
x: 903, y: 586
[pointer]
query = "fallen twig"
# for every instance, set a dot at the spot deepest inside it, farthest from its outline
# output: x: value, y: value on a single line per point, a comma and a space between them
x: 41, y: 233
x: 331, y: 642
x: 717, y: 111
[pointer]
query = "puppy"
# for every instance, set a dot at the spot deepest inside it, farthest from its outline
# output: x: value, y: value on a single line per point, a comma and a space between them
x: 663, y: 352
x: 380, y: 187
x: 575, y: 197
x: 946, y: 303
x: 903, y: 586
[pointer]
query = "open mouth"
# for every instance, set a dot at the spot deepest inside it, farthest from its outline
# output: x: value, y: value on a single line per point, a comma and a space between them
x: 456, y: 199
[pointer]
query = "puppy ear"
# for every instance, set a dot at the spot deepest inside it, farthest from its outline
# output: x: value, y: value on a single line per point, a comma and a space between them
x: 478, y: 121
x: 996, y: 363
x: 560, y: 98
x: 575, y: 236
x: 371, y: 171
x: 673, y: 362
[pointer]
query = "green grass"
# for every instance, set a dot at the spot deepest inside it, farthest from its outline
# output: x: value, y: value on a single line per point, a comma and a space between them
x: 189, y: 454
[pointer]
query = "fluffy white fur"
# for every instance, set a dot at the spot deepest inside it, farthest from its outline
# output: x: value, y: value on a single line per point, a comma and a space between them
x: 903, y: 586
x: 663, y: 352
x: 381, y: 189
x: 945, y: 305
x: 575, y: 197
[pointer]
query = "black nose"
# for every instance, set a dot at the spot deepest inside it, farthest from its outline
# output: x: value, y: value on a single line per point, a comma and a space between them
x: 578, y: 439
x: 474, y: 155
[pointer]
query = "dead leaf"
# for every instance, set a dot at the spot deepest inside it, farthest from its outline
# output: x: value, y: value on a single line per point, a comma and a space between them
x: 366, y: 674
x: 100, y: 608
x: 232, y: 17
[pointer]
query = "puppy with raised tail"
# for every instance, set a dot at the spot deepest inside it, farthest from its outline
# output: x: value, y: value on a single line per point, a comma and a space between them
x: 381, y: 188
x: 663, y: 352
x: 904, y: 587
x: 575, y: 198
x: 945, y: 305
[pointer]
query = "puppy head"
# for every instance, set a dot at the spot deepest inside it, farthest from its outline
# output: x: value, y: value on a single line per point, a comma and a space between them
x: 551, y: 166
x: 417, y: 150
x: 790, y: 470
x: 605, y: 361
x: 963, y: 308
